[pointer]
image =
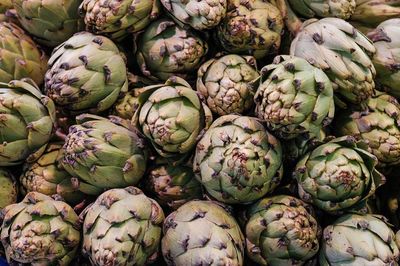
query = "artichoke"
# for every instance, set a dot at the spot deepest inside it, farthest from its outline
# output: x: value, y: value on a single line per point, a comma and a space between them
x: 358, y: 240
x: 227, y: 83
x: 378, y: 124
x: 252, y: 27
x: 237, y: 160
x: 47, y: 176
x: 104, y: 153
x: 123, y: 227
x: 116, y: 19
x: 342, y: 52
x: 338, y: 175
x: 87, y: 74
x: 202, y: 233
x: 297, y: 147
x: 50, y: 22
x: 40, y: 231
x: 128, y: 102
x: 199, y: 14
x: 20, y: 56
x: 294, y: 98
x: 324, y: 8
x: 8, y: 188
x: 370, y: 13
x: 173, y: 186
x: 281, y: 230
x: 172, y: 117
x: 27, y: 122
x: 5, y: 5
x: 165, y: 49
x: 386, y: 38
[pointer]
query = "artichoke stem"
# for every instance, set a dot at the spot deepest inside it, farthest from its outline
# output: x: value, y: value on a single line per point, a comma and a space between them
x: 292, y: 21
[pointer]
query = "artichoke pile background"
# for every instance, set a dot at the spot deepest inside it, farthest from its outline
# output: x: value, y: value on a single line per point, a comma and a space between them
x: 200, y: 132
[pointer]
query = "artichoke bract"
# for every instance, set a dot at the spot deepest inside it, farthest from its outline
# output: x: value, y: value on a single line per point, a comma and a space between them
x: 237, y: 160
x: 251, y: 27
x: 165, y: 49
x: 128, y: 102
x: 370, y: 13
x: 297, y: 147
x: 377, y: 123
x: 47, y: 176
x: 40, y: 230
x: 20, y: 56
x: 227, y: 83
x: 172, y: 117
x: 173, y: 186
x: 386, y: 38
x: 116, y: 19
x: 199, y: 14
x: 104, y: 153
x: 294, y: 98
x: 27, y: 122
x: 8, y: 188
x: 122, y: 227
x: 86, y: 74
x: 281, y: 230
x: 50, y: 22
x: 358, y: 240
x: 338, y: 176
x: 202, y: 233
x: 324, y: 8
x: 342, y: 52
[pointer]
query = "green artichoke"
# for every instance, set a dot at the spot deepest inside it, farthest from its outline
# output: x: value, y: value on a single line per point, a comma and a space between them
x: 20, y: 56
x: 128, y: 102
x: 370, y: 13
x: 378, y: 124
x: 297, y: 147
x: 324, y: 8
x: 173, y: 186
x: 104, y: 153
x: 123, y: 227
x: 281, y: 230
x: 358, y: 240
x: 342, y: 52
x: 40, y: 231
x: 47, y: 176
x: 172, y: 117
x: 116, y: 19
x: 87, y: 74
x: 8, y: 188
x: 227, y: 83
x: 165, y: 49
x: 294, y: 98
x: 237, y: 160
x: 386, y: 38
x: 202, y: 233
x: 27, y: 122
x: 252, y: 27
x: 199, y: 14
x: 338, y: 175
x: 50, y: 22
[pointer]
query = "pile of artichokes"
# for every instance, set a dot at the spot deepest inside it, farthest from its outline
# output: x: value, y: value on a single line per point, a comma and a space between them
x: 200, y: 132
